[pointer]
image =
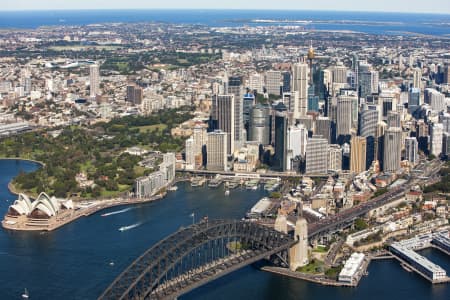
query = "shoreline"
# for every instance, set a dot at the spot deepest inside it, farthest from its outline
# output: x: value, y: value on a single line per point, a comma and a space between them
x: 24, y: 159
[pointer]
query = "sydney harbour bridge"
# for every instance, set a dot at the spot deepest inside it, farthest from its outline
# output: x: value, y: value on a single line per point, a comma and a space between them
x: 198, y: 254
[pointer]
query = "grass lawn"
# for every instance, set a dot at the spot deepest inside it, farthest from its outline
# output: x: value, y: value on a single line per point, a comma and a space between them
x: 144, y: 129
x: 139, y: 171
x: 105, y: 193
x: 320, y: 249
x: 315, y: 267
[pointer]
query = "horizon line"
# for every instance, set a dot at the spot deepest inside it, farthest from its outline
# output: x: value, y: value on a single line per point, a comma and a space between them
x: 223, y: 9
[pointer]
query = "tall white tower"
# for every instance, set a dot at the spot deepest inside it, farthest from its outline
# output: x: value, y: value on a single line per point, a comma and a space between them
x: 298, y: 254
x: 94, y: 80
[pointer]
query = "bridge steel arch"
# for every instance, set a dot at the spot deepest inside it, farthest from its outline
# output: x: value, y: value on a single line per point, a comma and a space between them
x: 195, y: 255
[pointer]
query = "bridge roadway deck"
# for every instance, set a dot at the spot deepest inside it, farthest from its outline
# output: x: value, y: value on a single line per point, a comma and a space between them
x: 201, y: 275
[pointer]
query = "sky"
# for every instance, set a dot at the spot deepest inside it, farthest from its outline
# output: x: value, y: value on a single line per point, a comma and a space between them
x: 407, y: 6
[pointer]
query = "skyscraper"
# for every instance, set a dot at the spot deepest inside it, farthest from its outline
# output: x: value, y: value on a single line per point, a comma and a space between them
x: 281, y: 127
x: 323, y: 128
x: 447, y: 74
x: 340, y: 74
x: 334, y: 158
x: 392, y: 149
x: 296, y: 143
x: 256, y: 82
x: 369, y: 83
x: 273, y: 82
x: 417, y: 78
x: 286, y: 82
x: 259, y: 129
x: 235, y: 88
x: 344, y: 116
x: 223, y: 108
x: 190, y: 155
x: 437, y: 101
x: 216, y: 151
x: 316, y: 155
x: 436, y: 135
x: 368, y: 122
x: 393, y: 119
x: 358, y: 150
x: 134, y: 94
x: 413, y: 100
x: 411, y: 150
x: 300, y: 89
x: 94, y: 80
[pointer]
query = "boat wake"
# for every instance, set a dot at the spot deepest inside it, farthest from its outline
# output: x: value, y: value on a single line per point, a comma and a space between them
x: 125, y: 228
x: 117, y: 212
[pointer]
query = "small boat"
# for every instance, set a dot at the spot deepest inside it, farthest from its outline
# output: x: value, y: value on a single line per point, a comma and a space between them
x: 111, y: 263
x: 25, y: 294
x: 227, y: 192
x: 173, y: 188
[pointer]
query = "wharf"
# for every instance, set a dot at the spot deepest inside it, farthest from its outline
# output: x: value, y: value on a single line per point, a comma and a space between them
x: 412, y: 268
x: 319, y: 279
x: 23, y: 223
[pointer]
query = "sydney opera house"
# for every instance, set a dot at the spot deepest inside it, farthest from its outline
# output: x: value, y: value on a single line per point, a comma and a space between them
x: 42, y: 213
x: 44, y: 207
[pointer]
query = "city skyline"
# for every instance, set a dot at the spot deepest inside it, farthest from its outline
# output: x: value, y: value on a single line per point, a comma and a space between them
x: 434, y: 6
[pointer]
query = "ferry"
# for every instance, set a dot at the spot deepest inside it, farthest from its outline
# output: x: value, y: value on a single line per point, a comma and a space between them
x: 214, y: 183
x: 125, y: 228
x: 233, y: 184
x: 197, y: 181
x: 227, y: 192
x: 271, y: 185
x: 252, y: 184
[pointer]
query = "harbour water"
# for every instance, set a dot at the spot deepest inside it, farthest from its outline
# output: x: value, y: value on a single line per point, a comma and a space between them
x: 79, y: 260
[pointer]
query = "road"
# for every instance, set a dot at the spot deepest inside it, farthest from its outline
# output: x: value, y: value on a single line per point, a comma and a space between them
x: 429, y: 170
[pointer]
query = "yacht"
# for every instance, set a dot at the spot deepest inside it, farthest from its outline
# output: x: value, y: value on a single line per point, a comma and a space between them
x: 25, y: 294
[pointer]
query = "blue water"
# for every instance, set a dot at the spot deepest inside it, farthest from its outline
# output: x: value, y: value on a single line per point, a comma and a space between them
x: 433, y: 24
x: 73, y: 262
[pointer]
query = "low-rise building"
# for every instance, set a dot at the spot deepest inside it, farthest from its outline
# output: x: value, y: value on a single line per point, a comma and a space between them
x: 352, y: 268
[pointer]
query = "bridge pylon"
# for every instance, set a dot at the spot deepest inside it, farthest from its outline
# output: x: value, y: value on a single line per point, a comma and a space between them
x: 298, y: 253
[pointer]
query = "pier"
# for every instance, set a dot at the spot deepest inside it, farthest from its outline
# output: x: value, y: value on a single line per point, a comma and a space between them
x: 405, y: 253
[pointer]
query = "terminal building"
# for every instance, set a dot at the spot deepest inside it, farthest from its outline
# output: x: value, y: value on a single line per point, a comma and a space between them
x: 352, y: 269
